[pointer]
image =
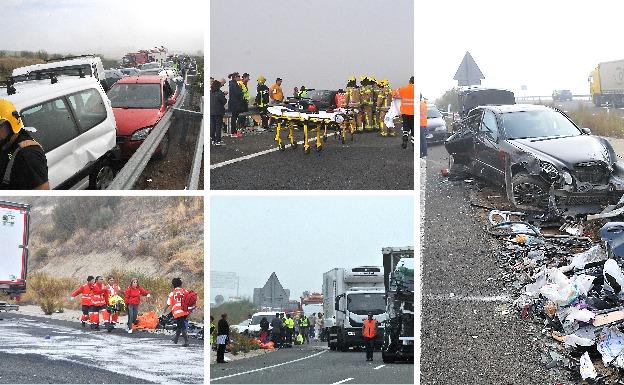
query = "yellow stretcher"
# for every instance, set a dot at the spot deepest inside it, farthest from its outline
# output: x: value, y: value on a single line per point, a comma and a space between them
x: 317, y: 122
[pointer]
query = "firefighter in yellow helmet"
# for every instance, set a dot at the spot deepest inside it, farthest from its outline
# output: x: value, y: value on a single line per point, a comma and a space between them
x: 353, y: 101
x: 367, y: 103
x: 384, y: 101
x: 375, y: 89
x: 23, y: 165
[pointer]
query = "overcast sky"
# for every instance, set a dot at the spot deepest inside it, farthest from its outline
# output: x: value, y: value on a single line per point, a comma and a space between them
x: 544, y: 45
x: 300, y: 238
x: 318, y: 43
x: 111, y: 27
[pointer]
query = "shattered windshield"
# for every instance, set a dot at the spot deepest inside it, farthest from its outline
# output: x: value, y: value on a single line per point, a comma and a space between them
x: 361, y: 304
x: 537, y: 124
x: 135, y: 96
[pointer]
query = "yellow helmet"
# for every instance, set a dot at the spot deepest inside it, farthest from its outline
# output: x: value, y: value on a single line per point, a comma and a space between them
x: 362, y: 78
x: 261, y: 79
x: 351, y: 79
x: 8, y: 113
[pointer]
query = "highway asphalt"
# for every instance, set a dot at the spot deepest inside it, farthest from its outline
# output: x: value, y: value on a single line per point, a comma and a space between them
x: 369, y: 162
x: 54, y: 351
x: 312, y: 364
x: 470, y: 334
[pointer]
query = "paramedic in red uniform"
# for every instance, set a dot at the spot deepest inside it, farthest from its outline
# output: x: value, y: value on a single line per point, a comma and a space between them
x: 179, y: 314
x: 99, y: 299
x: 113, y: 290
x: 85, y: 301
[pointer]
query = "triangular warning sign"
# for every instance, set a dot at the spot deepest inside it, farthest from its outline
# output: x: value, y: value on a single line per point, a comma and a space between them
x: 468, y: 73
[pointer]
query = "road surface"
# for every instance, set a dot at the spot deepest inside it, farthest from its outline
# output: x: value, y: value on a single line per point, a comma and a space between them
x: 312, y: 364
x: 468, y: 333
x: 56, y: 351
x: 370, y: 162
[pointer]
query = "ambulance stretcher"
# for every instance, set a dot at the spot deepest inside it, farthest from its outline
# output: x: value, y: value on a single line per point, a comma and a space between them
x: 317, y: 121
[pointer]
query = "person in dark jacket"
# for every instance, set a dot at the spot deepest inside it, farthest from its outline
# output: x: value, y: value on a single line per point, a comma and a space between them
x: 217, y: 111
x: 223, y: 334
x: 236, y: 104
x: 276, y: 332
x: 264, y: 330
x: 262, y: 101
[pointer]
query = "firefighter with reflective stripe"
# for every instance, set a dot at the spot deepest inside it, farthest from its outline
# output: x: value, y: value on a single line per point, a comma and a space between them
x: 289, y: 325
x: 85, y: 301
x: 353, y: 101
x: 369, y: 331
x: 99, y: 299
x: 113, y: 306
x: 367, y: 103
x: 384, y: 100
x: 174, y: 300
x: 304, y: 324
x: 406, y: 95
x: 375, y: 89
x: 23, y: 164
x: 262, y: 101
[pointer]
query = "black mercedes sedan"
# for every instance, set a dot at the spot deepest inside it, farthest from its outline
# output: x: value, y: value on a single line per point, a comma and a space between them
x: 536, y: 152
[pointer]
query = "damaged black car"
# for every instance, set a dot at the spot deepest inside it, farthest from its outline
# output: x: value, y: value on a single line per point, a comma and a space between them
x: 541, y: 158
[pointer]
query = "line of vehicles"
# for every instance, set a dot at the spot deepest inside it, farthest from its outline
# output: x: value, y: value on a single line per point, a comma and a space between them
x: 350, y: 294
x: 88, y: 121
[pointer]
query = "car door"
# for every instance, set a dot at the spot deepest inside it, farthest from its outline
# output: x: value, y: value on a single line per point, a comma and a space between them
x: 490, y: 165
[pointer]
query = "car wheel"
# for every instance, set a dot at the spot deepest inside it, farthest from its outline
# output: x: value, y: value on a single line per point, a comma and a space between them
x: 164, y: 147
x: 529, y: 192
x: 102, y: 177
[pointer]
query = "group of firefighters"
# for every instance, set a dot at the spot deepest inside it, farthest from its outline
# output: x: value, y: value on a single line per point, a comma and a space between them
x: 100, y: 300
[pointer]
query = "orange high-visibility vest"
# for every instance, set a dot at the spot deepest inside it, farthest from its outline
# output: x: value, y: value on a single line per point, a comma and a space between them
x: 406, y: 94
x: 369, y: 330
x: 423, y: 114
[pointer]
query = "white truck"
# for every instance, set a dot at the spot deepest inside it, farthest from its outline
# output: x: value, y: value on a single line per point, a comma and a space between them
x: 14, y: 234
x: 348, y: 296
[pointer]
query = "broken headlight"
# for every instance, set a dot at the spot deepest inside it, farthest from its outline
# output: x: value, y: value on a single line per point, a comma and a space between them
x: 567, y: 177
x: 550, y: 170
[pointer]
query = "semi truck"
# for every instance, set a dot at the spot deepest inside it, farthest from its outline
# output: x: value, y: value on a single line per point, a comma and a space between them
x: 14, y: 236
x: 606, y: 84
x: 398, y: 335
x: 348, y: 296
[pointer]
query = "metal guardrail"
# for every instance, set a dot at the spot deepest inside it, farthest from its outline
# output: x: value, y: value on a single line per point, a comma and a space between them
x: 193, y: 181
x: 548, y: 98
x: 134, y: 167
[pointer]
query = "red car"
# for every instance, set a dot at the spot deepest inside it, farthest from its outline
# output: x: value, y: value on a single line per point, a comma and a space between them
x: 139, y: 102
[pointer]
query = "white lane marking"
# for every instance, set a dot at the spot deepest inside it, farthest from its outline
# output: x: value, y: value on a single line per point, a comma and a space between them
x: 250, y: 156
x: 379, y: 367
x: 345, y: 380
x: 468, y: 298
x: 268, y: 367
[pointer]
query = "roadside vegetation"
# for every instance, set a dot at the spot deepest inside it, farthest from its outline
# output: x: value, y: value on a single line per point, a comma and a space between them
x: 601, y: 123
x: 237, y: 311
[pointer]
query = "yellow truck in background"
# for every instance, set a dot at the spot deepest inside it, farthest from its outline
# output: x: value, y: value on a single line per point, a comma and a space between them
x: 606, y: 84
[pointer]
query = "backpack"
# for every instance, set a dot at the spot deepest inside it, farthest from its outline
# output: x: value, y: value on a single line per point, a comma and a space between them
x: 189, y: 300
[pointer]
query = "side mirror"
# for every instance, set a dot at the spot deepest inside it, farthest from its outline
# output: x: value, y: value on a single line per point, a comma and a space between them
x: 586, y: 131
x: 171, y: 101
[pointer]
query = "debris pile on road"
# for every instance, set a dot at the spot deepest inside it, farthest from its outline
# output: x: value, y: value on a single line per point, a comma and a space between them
x: 571, y: 281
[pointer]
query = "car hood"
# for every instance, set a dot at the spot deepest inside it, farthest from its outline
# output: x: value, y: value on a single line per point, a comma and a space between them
x: 568, y: 151
x: 435, y: 122
x: 129, y: 120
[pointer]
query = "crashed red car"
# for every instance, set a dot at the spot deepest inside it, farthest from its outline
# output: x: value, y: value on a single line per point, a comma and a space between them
x: 139, y: 102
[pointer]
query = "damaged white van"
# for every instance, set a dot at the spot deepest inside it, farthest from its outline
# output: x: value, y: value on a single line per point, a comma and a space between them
x: 71, y: 117
x: 85, y: 65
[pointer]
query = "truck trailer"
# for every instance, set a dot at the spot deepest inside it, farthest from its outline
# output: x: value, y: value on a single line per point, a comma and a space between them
x: 398, y: 338
x: 606, y: 84
x: 348, y: 296
x: 14, y: 236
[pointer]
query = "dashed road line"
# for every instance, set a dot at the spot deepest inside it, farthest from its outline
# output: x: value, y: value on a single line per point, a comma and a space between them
x: 343, y: 381
x: 379, y: 367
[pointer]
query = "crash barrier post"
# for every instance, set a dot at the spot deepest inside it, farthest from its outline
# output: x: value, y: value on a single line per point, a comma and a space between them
x: 134, y: 167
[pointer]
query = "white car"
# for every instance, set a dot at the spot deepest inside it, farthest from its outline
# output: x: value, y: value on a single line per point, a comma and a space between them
x: 242, y: 327
x: 73, y: 120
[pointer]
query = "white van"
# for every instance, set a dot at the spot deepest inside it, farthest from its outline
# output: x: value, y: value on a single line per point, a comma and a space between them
x: 90, y: 65
x: 74, y: 123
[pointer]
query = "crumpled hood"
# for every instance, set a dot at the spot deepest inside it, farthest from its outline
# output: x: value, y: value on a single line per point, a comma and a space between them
x: 568, y: 151
x: 129, y: 120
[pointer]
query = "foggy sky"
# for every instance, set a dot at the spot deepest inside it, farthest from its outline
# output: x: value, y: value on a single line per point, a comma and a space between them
x: 111, y: 27
x: 318, y: 44
x: 300, y: 238
x: 545, y: 45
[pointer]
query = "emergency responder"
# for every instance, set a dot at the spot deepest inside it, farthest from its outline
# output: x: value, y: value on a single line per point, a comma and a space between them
x: 262, y: 101
x: 276, y: 331
x: 213, y: 332
x: 276, y: 93
x: 99, y: 299
x: 303, y: 92
x: 369, y: 331
x: 384, y: 100
x: 132, y: 299
x: 375, y: 91
x: 113, y: 305
x: 423, y: 127
x: 85, y: 301
x: 246, y: 98
x: 174, y: 300
x: 23, y: 165
x: 353, y: 101
x: 304, y: 325
x: 366, y: 92
x: 406, y: 95
x: 223, y: 334
x: 289, y: 325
